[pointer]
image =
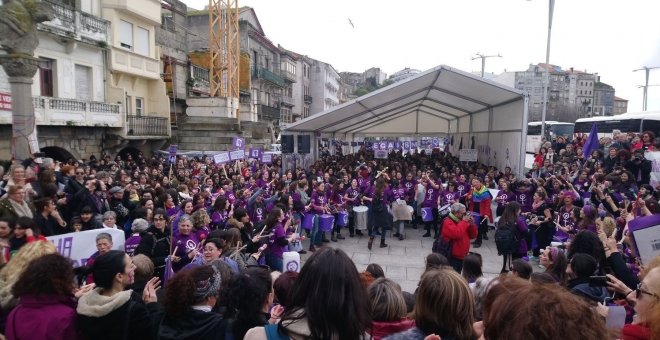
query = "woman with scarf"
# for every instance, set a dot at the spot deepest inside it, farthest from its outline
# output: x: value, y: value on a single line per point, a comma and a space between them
x: 479, y: 199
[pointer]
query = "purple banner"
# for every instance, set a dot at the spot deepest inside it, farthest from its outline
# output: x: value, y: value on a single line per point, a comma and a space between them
x: 435, y: 142
x: 406, y: 145
x: 413, y: 145
x: 397, y: 145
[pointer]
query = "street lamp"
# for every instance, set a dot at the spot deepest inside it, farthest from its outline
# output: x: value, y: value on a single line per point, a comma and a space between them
x: 547, y: 64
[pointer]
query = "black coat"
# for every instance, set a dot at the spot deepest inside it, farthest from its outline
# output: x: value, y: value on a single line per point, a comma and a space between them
x: 155, y: 245
x: 642, y: 168
x: 113, y: 325
x: 192, y: 325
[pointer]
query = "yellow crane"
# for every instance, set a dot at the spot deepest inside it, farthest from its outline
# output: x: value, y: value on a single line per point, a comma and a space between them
x: 224, y: 49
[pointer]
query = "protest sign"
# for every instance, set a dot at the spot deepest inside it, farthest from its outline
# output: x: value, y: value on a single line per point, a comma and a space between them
x: 255, y: 153
x: 654, y: 157
x: 238, y: 143
x: 80, y: 246
x: 267, y: 158
x: 468, y: 155
x: 237, y: 155
x: 221, y: 158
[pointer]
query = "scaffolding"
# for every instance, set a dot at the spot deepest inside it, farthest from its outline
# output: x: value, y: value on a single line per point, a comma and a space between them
x: 224, y: 48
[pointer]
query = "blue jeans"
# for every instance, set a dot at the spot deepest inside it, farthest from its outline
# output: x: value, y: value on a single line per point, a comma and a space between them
x: 275, y: 263
x: 315, y: 236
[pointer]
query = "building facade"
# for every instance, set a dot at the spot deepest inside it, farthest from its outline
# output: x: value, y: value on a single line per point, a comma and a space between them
x: 403, y: 74
x: 603, y: 100
x: 134, y: 68
x: 68, y: 89
x: 620, y: 106
x: 377, y: 74
x: 324, y: 87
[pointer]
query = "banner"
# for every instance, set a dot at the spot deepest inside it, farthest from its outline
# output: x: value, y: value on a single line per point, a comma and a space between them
x: 413, y: 145
x: 221, y: 158
x: 654, y: 157
x: 237, y: 155
x: 267, y: 158
x: 80, y: 246
x: 380, y: 154
x: 173, y: 149
x: 646, y: 234
x: 238, y: 143
x: 468, y: 155
x: 255, y: 153
x: 435, y: 142
x: 406, y: 145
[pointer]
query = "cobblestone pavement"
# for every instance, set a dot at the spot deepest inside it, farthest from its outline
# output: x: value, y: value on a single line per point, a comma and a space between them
x: 403, y: 261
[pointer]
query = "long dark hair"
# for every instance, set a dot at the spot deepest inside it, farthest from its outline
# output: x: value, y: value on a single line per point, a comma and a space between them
x: 273, y: 218
x: 246, y: 294
x: 509, y: 215
x: 329, y: 295
x: 106, y: 266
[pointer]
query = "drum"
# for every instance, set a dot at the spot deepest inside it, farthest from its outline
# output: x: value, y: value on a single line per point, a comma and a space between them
x: 342, y: 219
x: 400, y: 212
x: 427, y: 214
x: 291, y: 261
x: 360, y: 217
x: 477, y: 218
x: 308, y: 222
x: 411, y: 209
x: 326, y: 222
x: 444, y: 210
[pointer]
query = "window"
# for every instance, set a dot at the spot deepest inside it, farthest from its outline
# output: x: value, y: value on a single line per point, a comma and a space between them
x: 126, y: 34
x: 139, y: 106
x: 142, y: 41
x: 83, y: 82
x: 46, y: 77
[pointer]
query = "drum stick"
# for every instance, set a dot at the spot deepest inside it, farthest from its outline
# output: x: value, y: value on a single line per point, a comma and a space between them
x: 175, y: 249
x: 381, y: 172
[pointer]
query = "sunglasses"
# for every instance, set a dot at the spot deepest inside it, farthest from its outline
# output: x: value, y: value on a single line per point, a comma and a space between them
x: 639, y: 291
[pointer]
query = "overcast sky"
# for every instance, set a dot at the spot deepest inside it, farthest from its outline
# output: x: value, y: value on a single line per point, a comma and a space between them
x: 605, y: 36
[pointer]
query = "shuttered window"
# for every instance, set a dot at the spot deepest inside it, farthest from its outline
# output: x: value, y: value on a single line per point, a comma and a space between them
x: 83, y: 82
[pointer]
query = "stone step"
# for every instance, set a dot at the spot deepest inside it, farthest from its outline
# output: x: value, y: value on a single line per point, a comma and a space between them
x: 207, y: 120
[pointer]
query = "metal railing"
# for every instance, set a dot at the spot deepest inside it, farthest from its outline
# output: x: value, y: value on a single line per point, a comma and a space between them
x: 307, y: 99
x: 286, y: 75
x: 287, y: 100
x: 268, y: 112
x: 269, y: 76
x: 146, y: 126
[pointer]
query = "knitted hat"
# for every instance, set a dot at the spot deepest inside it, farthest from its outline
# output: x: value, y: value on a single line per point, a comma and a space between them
x: 208, y: 287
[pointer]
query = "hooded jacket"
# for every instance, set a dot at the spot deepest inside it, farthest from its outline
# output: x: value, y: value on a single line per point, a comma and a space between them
x: 102, y: 317
x: 43, y: 317
x: 580, y: 287
x: 193, y: 325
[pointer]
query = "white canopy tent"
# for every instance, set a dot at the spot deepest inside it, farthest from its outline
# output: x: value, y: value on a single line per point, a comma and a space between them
x: 443, y: 102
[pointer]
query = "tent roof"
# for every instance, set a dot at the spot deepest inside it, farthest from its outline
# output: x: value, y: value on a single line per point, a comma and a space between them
x: 420, y: 105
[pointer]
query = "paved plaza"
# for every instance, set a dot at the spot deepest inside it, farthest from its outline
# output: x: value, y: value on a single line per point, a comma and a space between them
x: 403, y: 261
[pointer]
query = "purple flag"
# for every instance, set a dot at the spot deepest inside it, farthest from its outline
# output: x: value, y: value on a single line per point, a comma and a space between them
x: 169, y: 273
x: 592, y: 141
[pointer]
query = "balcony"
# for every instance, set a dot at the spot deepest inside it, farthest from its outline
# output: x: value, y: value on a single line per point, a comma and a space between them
x: 199, y: 80
x: 69, y: 112
x: 147, y: 126
x: 76, y: 25
x: 126, y: 61
x: 269, y: 76
x: 266, y: 112
x: 288, y: 101
x: 307, y: 99
x: 288, y: 76
x: 144, y: 9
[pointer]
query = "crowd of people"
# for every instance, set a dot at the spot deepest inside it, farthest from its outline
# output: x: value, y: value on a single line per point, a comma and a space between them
x: 204, y: 245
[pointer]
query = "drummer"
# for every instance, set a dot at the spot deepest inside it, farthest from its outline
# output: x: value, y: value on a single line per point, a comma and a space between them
x: 431, y: 193
x: 400, y: 212
x: 336, y: 201
x: 352, y: 199
x: 479, y: 199
x: 319, y: 207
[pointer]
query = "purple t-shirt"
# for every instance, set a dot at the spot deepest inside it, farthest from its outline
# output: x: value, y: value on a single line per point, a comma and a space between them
x: 462, y: 188
x: 565, y: 220
x: 352, y: 194
x: 430, y: 196
x: 504, y: 197
x: 131, y: 244
x: 448, y: 196
x: 274, y: 249
x: 399, y: 193
x: 410, y: 186
x: 319, y: 202
x: 524, y: 197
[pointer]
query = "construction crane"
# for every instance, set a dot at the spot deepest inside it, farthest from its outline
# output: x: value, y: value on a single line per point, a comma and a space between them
x: 224, y: 49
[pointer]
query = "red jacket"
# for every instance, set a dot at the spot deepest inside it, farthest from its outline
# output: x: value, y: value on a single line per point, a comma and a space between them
x: 380, y: 330
x: 459, y: 233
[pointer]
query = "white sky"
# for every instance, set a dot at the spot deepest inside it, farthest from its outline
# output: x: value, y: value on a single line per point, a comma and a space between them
x: 611, y: 37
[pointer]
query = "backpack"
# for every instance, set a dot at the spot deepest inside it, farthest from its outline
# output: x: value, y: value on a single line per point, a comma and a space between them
x: 442, y: 246
x: 377, y: 204
x: 506, y: 240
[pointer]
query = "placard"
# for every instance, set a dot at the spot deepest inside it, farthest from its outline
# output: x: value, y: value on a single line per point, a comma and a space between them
x: 173, y: 149
x: 406, y: 145
x: 646, y: 234
x: 221, y: 158
x: 267, y: 158
x: 413, y: 145
x: 435, y: 142
x: 468, y: 155
x: 5, y: 101
x: 81, y: 245
x: 654, y: 157
x: 256, y: 153
x: 238, y: 143
x: 380, y: 154
x: 237, y: 155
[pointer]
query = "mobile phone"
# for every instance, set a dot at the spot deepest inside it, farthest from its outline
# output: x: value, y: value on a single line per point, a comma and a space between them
x: 598, y: 281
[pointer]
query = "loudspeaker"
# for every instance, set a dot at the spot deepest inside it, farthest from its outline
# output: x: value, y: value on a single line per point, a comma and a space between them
x: 287, y: 143
x: 303, y: 144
